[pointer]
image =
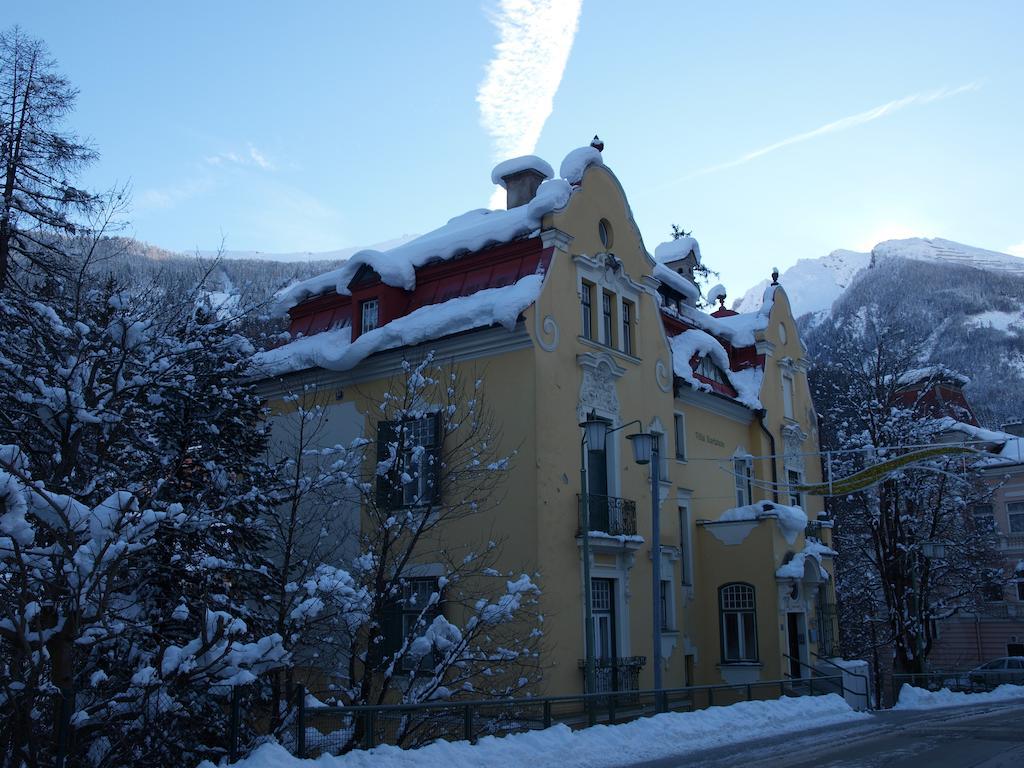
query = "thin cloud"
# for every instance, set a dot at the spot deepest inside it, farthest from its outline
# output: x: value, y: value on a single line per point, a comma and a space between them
x: 845, y: 123
x: 251, y: 157
x: 518, y: 92
x: 163, y: 198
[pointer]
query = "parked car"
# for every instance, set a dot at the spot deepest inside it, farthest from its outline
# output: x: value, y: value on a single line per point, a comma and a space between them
x: 1009, y: 669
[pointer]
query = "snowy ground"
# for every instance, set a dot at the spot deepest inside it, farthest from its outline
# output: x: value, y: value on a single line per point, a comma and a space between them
x: 918, y: 698
x: 653, y: 738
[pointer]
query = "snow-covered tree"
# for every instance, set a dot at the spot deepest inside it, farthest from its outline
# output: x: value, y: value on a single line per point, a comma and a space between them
x: 437, y: 620
x: 132, y: 547
x: 889, y: 591
x: 38, y: 157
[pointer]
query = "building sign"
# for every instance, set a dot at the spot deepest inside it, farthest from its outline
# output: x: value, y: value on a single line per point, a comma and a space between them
x: 709, y: 440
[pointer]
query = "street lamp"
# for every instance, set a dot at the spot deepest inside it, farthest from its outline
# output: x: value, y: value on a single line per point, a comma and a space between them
x: 646, y: 451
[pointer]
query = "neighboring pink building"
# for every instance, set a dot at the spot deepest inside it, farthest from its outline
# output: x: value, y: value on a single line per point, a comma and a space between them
x: 967, y: 640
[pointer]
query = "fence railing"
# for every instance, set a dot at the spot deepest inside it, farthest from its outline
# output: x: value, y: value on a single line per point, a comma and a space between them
x: 320, y: 729
x: 609, y: 514
x: 615, y: 674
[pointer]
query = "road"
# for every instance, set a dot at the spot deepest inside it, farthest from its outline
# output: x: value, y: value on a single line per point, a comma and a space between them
x: 977, y: 736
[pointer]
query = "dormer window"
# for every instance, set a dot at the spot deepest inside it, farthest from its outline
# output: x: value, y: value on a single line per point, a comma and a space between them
x: 709, y: 370
x: 369, y: 315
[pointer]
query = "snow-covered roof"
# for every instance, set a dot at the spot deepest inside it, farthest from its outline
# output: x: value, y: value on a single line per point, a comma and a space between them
x: 792, y: 520
x: 680, y: 248
x: 466, y: 233
x: 813, y: 550
x: 335, y: 350
x: 576, y: 163
x: 932, y: 373
x: 739, y: 330
x: 517, y: 164
x: 677, y: 282
x: 684, y: 346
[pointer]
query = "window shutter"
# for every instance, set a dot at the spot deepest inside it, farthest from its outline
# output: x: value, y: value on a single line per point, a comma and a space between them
x: 433, y: 463
x: 392, y: 629
x: 389, y: 490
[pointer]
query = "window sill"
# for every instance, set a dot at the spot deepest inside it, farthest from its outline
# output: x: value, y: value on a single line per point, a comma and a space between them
x: 606, y: 348
x: 739, y: 664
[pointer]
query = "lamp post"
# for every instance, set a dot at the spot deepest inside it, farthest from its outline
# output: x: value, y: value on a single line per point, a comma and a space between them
x: 930, y: 550
x: 646, y: 450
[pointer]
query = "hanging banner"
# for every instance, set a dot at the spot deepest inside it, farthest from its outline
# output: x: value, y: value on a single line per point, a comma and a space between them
x: 876, y: 473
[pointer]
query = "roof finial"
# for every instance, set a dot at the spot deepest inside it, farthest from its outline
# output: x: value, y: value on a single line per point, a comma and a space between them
x: 775, y: 275
x: 597, y: 143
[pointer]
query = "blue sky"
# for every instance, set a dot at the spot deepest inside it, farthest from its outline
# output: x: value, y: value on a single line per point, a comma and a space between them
x: 320, y: 125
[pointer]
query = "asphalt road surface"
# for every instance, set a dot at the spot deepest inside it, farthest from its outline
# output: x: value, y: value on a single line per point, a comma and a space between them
x: 977, y: 736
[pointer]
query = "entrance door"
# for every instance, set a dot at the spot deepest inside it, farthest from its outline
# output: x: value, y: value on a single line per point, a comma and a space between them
x: 796, y: 642
x: 603, y: 597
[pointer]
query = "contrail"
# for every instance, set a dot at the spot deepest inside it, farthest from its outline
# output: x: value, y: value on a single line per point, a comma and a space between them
x: 925, y: 97
x: 517, y: 94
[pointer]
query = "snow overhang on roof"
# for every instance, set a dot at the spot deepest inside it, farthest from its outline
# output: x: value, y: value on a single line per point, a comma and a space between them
x: 469, y: 232
x: 746, y: 383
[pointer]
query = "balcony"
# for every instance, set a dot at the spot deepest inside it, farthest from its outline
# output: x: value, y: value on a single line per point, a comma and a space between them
x: 1007, y: 541
x: 609, y: 514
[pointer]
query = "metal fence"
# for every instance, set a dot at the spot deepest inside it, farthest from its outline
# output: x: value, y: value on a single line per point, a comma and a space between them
x: 331, y: 729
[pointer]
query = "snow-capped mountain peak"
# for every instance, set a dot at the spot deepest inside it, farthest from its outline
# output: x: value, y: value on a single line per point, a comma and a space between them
x: 813, y: 285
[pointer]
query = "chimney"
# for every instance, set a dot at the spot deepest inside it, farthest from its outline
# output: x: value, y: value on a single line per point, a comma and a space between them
x: 521, y: 177
x: 521, y: 186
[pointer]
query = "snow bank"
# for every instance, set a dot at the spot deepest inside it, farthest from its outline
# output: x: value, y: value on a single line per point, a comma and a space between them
x: 576, y: 163
x: 466, y: 233
x: 679, y: 248
x: 652, y: 738
x: 918, y: 698
x: 747, y: 383
x: 792, y: 520
x: 334, y: 350
x: 517, y: 164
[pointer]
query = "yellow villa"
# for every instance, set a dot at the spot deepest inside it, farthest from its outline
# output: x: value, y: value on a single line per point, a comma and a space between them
x: 558, y: 306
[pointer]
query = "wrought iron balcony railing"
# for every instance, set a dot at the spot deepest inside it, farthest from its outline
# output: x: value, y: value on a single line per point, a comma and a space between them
x: 610, y: 514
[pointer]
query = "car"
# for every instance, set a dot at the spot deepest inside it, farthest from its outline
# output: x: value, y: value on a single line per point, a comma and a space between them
x: 1008, y: 669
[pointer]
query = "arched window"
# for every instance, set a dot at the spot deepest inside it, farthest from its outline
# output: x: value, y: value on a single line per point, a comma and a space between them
x: 738, y: 613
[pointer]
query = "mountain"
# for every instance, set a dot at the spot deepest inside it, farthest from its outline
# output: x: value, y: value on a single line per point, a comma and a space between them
x: 811, y: 284
x: 965, y: 303
x: 303, y: 256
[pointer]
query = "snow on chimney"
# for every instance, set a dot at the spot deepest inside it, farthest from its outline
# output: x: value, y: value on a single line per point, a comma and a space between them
x: 520, y: 177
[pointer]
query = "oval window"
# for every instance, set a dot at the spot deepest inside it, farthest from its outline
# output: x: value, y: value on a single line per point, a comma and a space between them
x: 782, y: 332
x: 604, y: 231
